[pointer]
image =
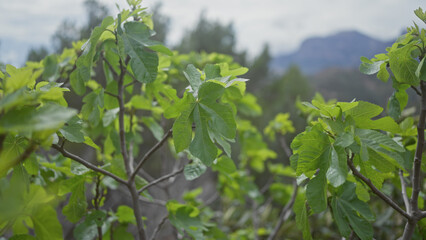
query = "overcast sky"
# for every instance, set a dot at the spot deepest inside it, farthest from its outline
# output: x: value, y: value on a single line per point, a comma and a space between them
x: 284, y: 24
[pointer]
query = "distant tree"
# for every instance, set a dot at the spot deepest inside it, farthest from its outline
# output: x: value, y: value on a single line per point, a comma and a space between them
x: 211, y: 36
x: 37, y: 54
x: 96, y: 11
x: 161, y: 23
x: 65, y: 34
x: 259, y: 70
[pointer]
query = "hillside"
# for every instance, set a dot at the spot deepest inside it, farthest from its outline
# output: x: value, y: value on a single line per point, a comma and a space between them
x: 342, y: 50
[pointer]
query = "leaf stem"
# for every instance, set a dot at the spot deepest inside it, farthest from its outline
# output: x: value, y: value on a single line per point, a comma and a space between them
x: 375, y: 190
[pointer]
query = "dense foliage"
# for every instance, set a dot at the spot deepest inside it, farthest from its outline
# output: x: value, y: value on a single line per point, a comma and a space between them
x: 111, y: 166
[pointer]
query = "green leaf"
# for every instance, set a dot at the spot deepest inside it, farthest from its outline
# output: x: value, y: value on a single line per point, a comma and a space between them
x: 301, y: 212
x: 109, y: 116
x: 394, y: 108
x: 194, y: 78
x: 84, y: 63
x: 348, y: 210
x: 316, y: 192
x: 221, y: 118
x: 135, y: 38
x: 363, y: 113
x: 338, y: 170
x: 138, y: 34
x: 88, y: 229
x: 383, y: 73
x: 370, y: 67
x: 72, y: 130
x: 46, y: 223
x: 22, y: 237
x: 403, y: 66
x: 210, y: 92
x: 154, y: 127
x: 182, y: 129
x: 420, y: 14
x: 27, y: 119
x: 51, y: 67
x: 125, y: 214
x: 77, y: 205
x: 89, y: 142
x: 421, y: 70
x: 202, y: 146
x: 194, y: 170
x: 314, y: 150
x: 185, y: 218
x: 225, y: 165
x: 212, y: 71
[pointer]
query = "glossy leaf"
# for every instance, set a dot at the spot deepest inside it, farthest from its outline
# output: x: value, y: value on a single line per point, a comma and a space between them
x: 403, y: 66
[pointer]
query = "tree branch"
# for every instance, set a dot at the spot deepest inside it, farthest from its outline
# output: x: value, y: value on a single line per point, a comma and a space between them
x: 165, y: 177
x: 121, y: 112
x: 404, y: 191
x: 416, y: 90
x: 416, y: 180
x: 158, y: 228
x: 284, y: 212
x: 149, y: 153
x: 87, y: 164
x: 375, y: 190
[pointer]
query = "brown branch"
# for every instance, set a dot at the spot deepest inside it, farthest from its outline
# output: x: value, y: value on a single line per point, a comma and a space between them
x: 149, y: 153
x: 416, y: 90
x: 284, y: 212
x: 83, y: 162
x: 121, y: 112
x: 416, y: 179
x: 158, y: 228
x: 404, y: 191
x: 163, y: 178
x: 375, y: 190
x: 158, y: 202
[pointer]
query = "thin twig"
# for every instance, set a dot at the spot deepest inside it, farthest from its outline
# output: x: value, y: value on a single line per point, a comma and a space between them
x: 158, y: 228
x: 284, y: 211
x: 131, y: 83
x: 158, y: 202
x: 375, y: 190
x: 416, y: 90
x: 110, y: 66
x: 83, y: 162
x: 111, y: 94
x: 163, y: 178
x: 404, y: 191
x: 149, y: 153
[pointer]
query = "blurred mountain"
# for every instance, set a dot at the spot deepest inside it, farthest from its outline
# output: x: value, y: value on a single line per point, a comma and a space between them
x: 342, y: 50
